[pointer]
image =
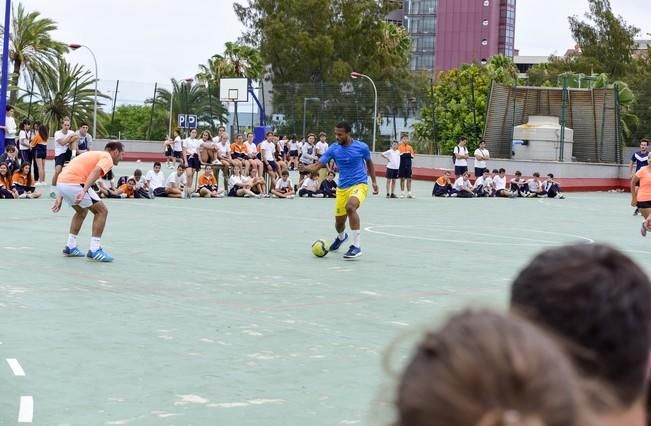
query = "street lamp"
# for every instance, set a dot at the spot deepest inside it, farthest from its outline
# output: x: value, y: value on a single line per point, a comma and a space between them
x: 187, y: 80
x: 75, y: 46
x: 304, y: 105
x: 356, y: 75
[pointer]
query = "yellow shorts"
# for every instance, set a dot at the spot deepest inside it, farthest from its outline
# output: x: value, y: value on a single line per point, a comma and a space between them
x: 359, y: 191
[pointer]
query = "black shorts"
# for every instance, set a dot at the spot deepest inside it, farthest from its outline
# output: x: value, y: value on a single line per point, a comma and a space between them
x: 61, y: 159
x: 208, y: 187
x: 404, y: 171
x: 233, y: 191
x: 160, y: 192
x: 644, y: 204
x: 392, y: 174
x: 460, y: 170
x: 274, y: 165
x: 168, y: 151
x: 40, y: 151
x: 293, y: 153
x: 479, y: 171
x: 26, y: 155
x: 177, y: 154
x: 194, y: 162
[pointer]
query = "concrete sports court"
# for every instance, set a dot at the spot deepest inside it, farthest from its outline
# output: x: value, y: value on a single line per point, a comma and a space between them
x: 216, y: 313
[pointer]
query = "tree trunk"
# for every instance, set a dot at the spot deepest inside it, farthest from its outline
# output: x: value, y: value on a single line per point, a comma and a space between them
x: 13, y: 94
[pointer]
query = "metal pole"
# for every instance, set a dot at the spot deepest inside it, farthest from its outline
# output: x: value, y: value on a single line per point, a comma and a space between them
x: 5, y: 72
x: 74, y: 101
x: 171, y: 103
x: 115, y: 98
x: 374, y: 110
x: 304, y: 104
x: 151, y: 114
x: 212, y: 121
x: 95, y: 97
x: 563, y: 112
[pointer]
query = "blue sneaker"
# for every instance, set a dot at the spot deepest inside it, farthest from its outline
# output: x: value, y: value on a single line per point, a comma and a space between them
x: 99, y: 256
x: 337, y: 243
x: 72, y: 252
x: 353, y: 252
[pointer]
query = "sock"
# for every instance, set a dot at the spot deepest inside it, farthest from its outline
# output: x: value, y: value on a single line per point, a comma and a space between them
x: 342, y: 235
x: 72, y: 241
x: 356, y: 236
x: 94, y: 244
x: 74, y: 153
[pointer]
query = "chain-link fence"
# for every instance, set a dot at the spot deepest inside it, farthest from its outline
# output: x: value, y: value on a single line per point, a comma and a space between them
x: 301, y: 108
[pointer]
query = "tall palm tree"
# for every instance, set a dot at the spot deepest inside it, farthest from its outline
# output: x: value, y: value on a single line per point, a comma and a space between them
x: 68, y: 91
x: 32, y: 48
x: 246, y: 61
x: 192, y: 98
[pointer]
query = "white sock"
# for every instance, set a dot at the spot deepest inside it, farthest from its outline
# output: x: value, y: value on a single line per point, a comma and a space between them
x: 356, y: 236
x: 94, y: 244
x: 72, y: 241
x: 342, y: 235
x: 74, y: 153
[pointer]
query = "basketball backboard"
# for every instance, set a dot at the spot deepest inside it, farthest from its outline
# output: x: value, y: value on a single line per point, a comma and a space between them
x: 233, y: 90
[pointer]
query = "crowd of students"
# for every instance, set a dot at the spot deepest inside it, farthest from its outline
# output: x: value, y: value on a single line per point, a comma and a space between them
x: 573, y: 350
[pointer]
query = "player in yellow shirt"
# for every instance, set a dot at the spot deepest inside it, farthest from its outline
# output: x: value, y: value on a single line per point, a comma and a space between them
x: 75, y: 186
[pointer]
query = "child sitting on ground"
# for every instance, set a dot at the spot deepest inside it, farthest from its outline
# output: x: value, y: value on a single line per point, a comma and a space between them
x: 329, y: 186
x: 551, y: 188
x: 284, y: 187
x: 309, y: 187
x: 442, y: 186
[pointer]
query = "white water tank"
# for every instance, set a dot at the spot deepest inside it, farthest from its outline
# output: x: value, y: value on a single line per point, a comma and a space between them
x: 542, y: 140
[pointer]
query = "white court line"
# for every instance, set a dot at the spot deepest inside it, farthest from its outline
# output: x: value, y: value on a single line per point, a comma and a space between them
x: 26, y: 410
x: 414, y: 237
x: 15, y: 367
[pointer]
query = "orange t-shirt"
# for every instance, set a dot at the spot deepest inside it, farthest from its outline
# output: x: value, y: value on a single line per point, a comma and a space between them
x: 19, y: 179
x: 238, y: 148
x: 78, y: 170
x: 405, y: 148
x: 644, y: 193
x: 37, y: 140
x: 205, y: 180
x: 442, y: 181
x: 124, y: 188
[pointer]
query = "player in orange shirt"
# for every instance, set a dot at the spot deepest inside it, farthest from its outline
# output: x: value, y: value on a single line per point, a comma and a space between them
x: 74, y: 185
x: 404, y: 171
x: 208, y: 185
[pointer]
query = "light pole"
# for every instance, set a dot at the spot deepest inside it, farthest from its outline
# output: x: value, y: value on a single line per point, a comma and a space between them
x: 304, y: 105
x: 356, y: 75
x: 169, y: 133
x: 75, y: 46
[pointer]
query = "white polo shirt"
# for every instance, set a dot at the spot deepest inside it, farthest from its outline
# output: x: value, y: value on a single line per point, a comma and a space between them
x: 269, y: 148
x: 59, y: 136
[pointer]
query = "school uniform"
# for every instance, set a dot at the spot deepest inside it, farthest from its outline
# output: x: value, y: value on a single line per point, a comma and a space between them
x: 406, y: 155
x: 442, y: 187
x: 393, y: 165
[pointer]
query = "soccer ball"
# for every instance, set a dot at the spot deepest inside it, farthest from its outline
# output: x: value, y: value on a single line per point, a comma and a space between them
x: 320, y: 248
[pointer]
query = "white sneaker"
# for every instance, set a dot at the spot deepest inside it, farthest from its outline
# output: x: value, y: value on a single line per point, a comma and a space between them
x: 23, y: 195
x: 402, y: 195
x: 40, y: 184
x: 410, y: 196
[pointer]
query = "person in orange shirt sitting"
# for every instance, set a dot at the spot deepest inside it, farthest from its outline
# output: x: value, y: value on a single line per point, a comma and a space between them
x: 7, y: 191
x: 23, y: 182
x: 74, y: 184
x: 127, y: 190
x: 443, y: 186
x: 208, y: 184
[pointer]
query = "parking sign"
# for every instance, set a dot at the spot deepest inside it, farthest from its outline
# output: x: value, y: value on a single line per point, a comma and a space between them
x: 187, y: 121
x: 192, y: 121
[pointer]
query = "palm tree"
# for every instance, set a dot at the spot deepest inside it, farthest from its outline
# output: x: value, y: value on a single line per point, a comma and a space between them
x: 192, y: 98
x: 245, y: 61
x: 32, y: 48
x: 502, y: 70
x: 68, y: 91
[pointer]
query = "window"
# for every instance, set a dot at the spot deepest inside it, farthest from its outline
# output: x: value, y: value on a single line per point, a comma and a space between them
x: 484, y: 61
x: 484, y: 42
x: 486, y: 3
x: 422, y: 24
x: 485, y: 22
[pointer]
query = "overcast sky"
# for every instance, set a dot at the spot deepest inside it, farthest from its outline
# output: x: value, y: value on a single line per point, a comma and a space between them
x: 154, y: 40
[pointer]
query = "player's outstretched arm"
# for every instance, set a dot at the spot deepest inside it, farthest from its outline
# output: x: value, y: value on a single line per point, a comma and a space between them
x: 371, y: 172
x: 310, y: 168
